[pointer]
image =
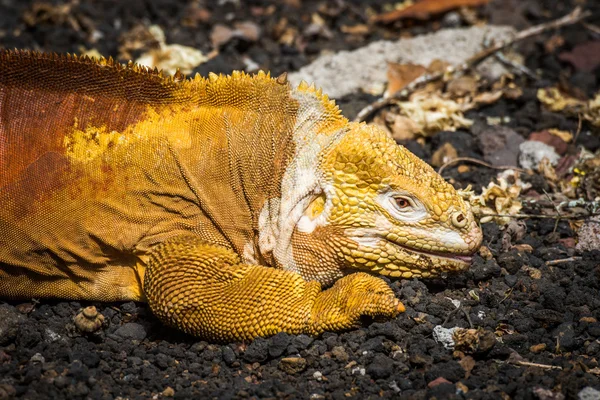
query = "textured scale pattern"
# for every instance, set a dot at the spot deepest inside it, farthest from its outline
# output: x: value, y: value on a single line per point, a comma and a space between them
x: 229, y: 203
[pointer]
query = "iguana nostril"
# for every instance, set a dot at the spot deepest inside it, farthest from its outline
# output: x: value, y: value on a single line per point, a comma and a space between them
x: 459, y: 220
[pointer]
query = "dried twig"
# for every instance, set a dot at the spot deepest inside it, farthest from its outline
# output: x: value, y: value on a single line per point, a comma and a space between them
x: 476, y: 161
x: 562, y: 261
x: 575, y: 16
x: 519, y: 68
x: 557, y: 209
x: 540, y: 216
x: 579, y: 125
x: 468, y: 317
x: 591, y: 206
x: 509, y: 292
x: 595, y: 29
x: 530, y: 364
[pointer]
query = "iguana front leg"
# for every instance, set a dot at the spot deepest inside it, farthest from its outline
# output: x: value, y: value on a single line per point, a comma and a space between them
x: 204, y: 290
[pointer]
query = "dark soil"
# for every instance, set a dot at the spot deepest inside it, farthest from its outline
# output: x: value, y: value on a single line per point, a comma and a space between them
x: 528, y: 312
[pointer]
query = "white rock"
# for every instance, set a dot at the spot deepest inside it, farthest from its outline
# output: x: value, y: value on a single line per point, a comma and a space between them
x: 37, y: 358
x: 365, y: 68
x: 444, y: 336
x: 532, y: 152
x: 588, y: 393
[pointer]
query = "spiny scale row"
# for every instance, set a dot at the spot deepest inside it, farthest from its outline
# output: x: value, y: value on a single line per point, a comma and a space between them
x: 155, y: 72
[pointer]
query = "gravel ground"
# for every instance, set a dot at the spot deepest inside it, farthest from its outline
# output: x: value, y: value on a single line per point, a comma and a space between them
x: 535, y: 322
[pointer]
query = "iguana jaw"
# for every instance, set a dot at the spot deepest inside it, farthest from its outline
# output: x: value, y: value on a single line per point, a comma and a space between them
x: 402, y: 260
x: 462, y: 258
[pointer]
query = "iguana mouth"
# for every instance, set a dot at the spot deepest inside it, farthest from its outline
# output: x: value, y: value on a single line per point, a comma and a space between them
x: 462, y: 258
x: 465, y: 259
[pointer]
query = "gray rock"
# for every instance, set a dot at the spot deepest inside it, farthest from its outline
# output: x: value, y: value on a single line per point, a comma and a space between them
x: 348, y: 72
x: 131, y: 330
x: 381, y: 367
x: 484, y: 270
x: 228, y: 355
x: 567, y: 339
x: 500, y: 145
x: 301, y: 342
x: 588, y: 393
x: 257, y: 351
x: 10, y: 319
x: 532, y: 152
x: 279, y: 344
x: 589, y: 235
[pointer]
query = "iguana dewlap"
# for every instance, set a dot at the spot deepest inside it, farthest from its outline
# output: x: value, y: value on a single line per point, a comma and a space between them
x: 225, y: 202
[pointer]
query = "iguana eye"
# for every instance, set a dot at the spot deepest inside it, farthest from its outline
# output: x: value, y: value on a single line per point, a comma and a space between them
x: 402, y: 203
x: 402, y: 206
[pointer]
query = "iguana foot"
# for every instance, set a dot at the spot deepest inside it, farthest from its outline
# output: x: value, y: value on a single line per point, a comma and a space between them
x: 350, y: 298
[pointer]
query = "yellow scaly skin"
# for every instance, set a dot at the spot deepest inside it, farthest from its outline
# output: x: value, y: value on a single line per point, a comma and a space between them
x: 227, y: 203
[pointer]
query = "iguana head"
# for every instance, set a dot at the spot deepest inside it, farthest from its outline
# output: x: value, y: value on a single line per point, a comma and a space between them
x: 382, y: 209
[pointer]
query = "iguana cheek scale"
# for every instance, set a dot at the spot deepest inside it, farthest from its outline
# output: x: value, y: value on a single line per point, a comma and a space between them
x: 226, y: 202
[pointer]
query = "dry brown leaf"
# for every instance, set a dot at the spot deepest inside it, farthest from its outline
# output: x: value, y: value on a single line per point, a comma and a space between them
x: 359, y: 29
x: 498, y: 201
x: 220, y: 35
x: 467, y: 364
x: 537, y: 348
x: 553, y: 43
x: 486, y: 98
x: 463, y: 86
x: 247, y: 30
x: 445, y: 153
x: 533, y: 273
x: 564, y: 135
x: 400, y: 75
x: 523, y: 248
x: 403, y: 128
x: 425, y: 8
x: 463, y: 169
x: 556, y: 101
x: 485, y: 253
x: 512, y: 91
x: 438, y: 65
x: 593, y: 112
x: 547, y: 170
x: 462, y: 387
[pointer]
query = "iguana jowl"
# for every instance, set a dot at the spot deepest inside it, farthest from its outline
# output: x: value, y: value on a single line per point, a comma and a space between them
x: 225, y: 202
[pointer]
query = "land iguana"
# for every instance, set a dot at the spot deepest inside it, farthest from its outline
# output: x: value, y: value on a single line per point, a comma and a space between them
x: 228, y: 203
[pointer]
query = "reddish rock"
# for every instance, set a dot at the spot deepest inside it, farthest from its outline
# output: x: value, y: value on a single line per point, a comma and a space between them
x: 584, y: 57
x: 551, y: 140
x: 438, y: 381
